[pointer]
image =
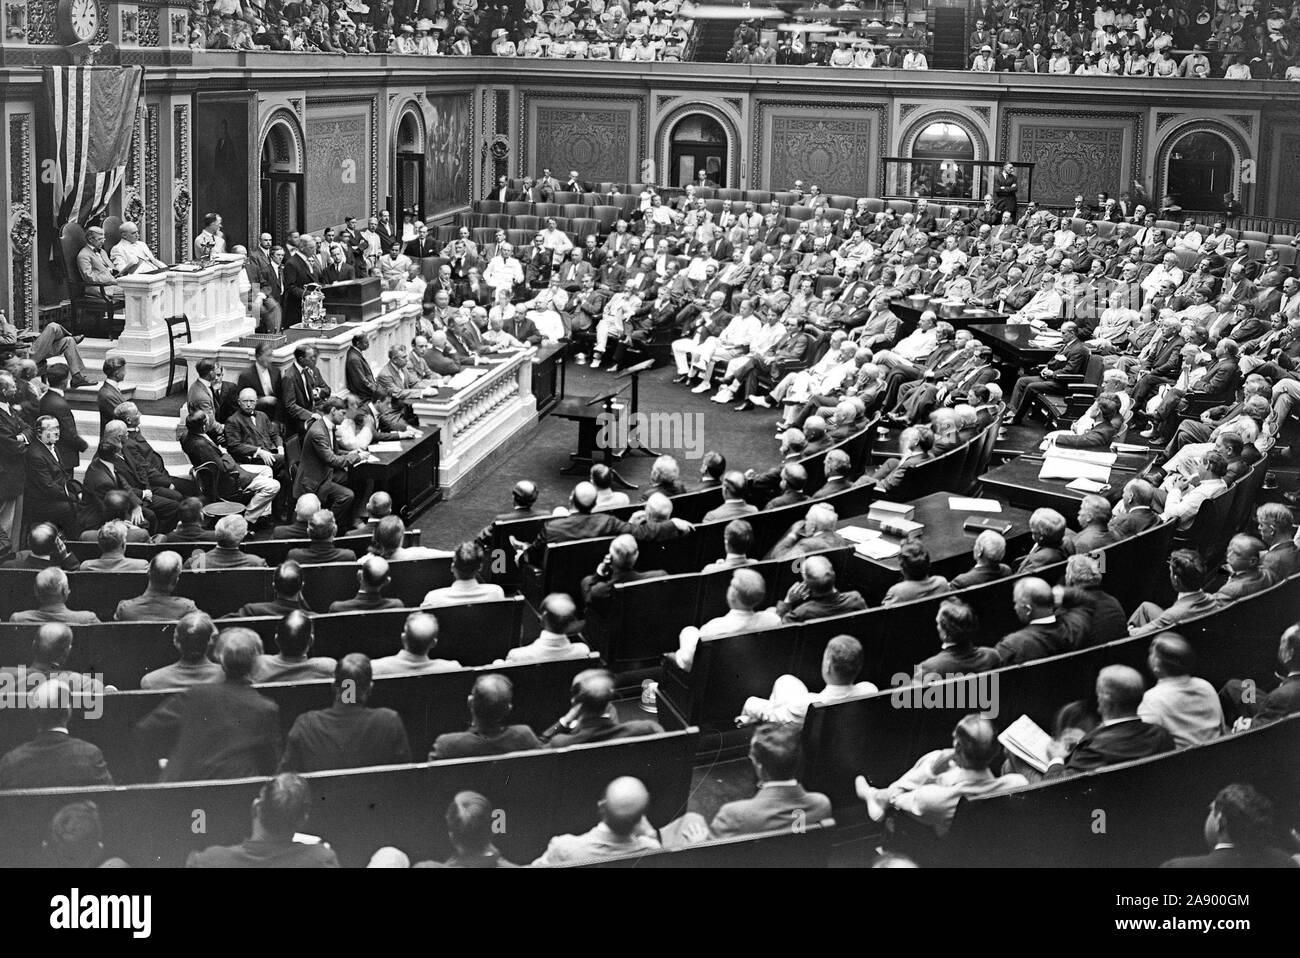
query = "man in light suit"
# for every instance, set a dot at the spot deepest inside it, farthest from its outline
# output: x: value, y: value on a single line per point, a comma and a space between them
x: 95, y: 266
x: 1187, y: 575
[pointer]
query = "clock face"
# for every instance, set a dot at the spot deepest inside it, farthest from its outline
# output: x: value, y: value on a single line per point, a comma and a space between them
x: 79, y: 18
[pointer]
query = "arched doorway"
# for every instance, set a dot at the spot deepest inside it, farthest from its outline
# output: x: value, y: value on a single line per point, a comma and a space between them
x: 408, y: 169
x: 697, y: 143
x: 283, y: 207
x: 1200, y: 171
x: 942, y: 156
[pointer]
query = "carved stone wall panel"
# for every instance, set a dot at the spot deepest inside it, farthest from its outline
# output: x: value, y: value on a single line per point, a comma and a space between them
x: 21, y: 224
x: 831, y: 152
x: 1287, y: 145
x: 1074, y: 152
x: 597, y: 142
x: 182, y: 190
x: 152, y: 194
x: 339, y: 163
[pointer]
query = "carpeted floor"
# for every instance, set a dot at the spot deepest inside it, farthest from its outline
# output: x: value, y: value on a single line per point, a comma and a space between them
x: 694, y: 426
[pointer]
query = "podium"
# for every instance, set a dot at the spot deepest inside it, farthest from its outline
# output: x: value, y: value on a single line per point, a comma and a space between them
x: 355, y: 300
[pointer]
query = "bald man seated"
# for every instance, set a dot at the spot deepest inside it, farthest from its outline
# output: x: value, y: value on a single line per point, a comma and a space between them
x: 559, y: 619
x: 592, y: 717
x: 158, y: 600
x: 372, y: 578
x: 293, y: 663
x: 1122, y: 735
x: 790, y: 698
x: 622, y: 829
x: 815, y: 596
x: 490, y: 703
x: 253, y: 440
x: 419, y: 638
x: 1043, y: 633
x: 744, y: 595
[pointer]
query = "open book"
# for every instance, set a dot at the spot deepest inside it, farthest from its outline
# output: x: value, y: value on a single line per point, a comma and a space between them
x: 1024, y: 739
x: 1059, y: 467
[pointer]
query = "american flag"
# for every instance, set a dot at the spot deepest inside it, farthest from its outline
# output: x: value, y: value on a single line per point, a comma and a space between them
x: 92, y: 110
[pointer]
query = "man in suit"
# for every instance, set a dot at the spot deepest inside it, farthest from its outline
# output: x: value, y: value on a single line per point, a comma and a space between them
x: 1071, y: 360
x: 592, y: 717
x: 157, y: 602
x: 1044, y: 633
x: 15, y: 437
x: 734, y: 486
x: 70, y: 444
x: 218, y: 730
x: 490, y: 703
x: 619, y: 565
x: 580, y: 523
x: 359, y: 377
x: 206, y: 392
x: 438, y: 355
x: 323, y: 469
x: 1240, y: 831
x: 47, y: 494
x: 349, y: 734
x: 1281, y: 558
x: 501, y: 192
x: 95, y: 267
x: 257, y: 264
x: 263, y: 378
x: 424, y: 244
x: 301, y: 269
x: 622, y: 828
x: 232, y: 482
x: 110, y: 473
x: 279, y: 813
x: 1122, y: 736
x: 339, y: 270
x: 1187, y: 575
x: 52, y: 590
x: 53, y: 758
x: 302, y: 388
x: 372, y: 579
x: 192, y: 638
x: 1138, y: 514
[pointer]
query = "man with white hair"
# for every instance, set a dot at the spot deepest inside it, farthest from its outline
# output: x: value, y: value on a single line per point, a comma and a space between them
x: 503, y: 271
x: 735, y: 338
x: 231, y: 531
x: 95, y: 267
x: 815, y: 532
x: 132, y: 253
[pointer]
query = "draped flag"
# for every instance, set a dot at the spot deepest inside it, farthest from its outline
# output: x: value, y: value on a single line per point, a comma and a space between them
x: 92, y: 110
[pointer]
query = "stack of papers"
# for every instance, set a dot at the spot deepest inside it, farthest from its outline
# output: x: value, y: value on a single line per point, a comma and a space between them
x: 961, y: 504
x: 877, y: 549
x: 1077, y: 464
x: 1085, y: 485
x: 386, y: 446
x: 858, y: 533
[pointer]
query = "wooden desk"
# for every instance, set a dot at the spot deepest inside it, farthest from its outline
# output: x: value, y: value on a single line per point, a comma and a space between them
x: 548, y: 376
x: 1017, y: 482
x: 948, y: 543
x: 1011, y: 344
x: 409, y: 476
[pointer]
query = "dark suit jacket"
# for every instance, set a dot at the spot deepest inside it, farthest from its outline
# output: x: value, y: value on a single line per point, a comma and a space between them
x: 345, y: 736
x: 13, y: 469
x: 297, y: 407
x: 54, y: 760
x: 1235, y: 857
x: 359, y: 376
x: 338, y: 273
x: 249, y: 379
x: 1131, y: 523
x: 1035, y: 642
x: 1281, y: 702
x: 1103, y: 618
x: 200, y: 449
x: 319, y: 463
x: 97, y: 483
x: 297, y: 274
x: 600, y: 730
x: 512, y: 738
x: 47, y: 479
x: 70, y: 444
x: 580, y: 525
x: 108, y: 399
x: 222, y: 730
x: 1121, y: 742
x: 958, y: 660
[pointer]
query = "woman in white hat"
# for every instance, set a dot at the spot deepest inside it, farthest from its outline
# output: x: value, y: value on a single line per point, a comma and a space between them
x: 502, y: 45
x: 425, y: 43
x: 406, y: 40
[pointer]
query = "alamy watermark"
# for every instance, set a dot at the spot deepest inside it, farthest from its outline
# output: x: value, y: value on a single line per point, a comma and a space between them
x: 967, y: 693
x: 657, y: 430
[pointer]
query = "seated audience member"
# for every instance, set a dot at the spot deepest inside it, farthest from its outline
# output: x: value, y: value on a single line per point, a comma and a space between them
x: 279, y: 814
x: 51, y: 650
x: 158, y: 601
x: 1188, y: 707
x: 814, y: 596
x: 602, y: 477
x: 1043, y: 632
x: 466, y: 564
x: 1281, y: 559
x: 1122, y: 736
x: 780, y: 803
x: 45, y: 548
x: 76, y: 839
x: 1094, y: 526
x: 1095, y: 615
x: 308, y: 505
x: 115, y: 505
x: 53, y: 758
x: 655, y: 523
x: 790, y: 490
x: 791, y: 699
x: 288, y: 594
x: 387, y: 538
x: 618, y: 565
x: 836, y: 467
x: 1135, y: 513
x: 815, y: 532
x: 378, y: 506
x: 592, y: 717
x: 348, y: 734
x: 189, y: 527
x: 737, y: 540
x: 490, y: 703
x: 293, y: 663
x: 1047, y: 528
x: 559, y: 620
x: 231, y: 531
x: 1101, y: 434
x: 372, y: 579
x: 419, y: 637
x: 914, y: 446
x: 1245, y: 575
x: 232, y: 482
x: 744, y: 595
x: 734, y: 487
x: 580, y: 523
x: 1240, y: 831
x: 665, y: 478
x: 622, y: 829
x: 1283, y: 700
x: 1186, y: 495
x: 957, y: 626
x: 1187, y: 575
x: 914, y: 562
x: 321, y: 529
x: 52, y: 591
x: 989, y: 549
x: 930, y: 791
x: 193, y: 639
x: 469, y: 829
x: 221, y: 729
